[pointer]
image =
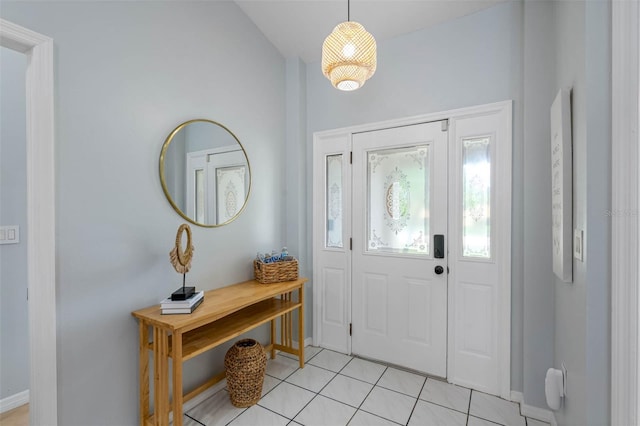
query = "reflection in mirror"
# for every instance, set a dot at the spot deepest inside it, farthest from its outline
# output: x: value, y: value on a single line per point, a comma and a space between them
x: 205, y: 173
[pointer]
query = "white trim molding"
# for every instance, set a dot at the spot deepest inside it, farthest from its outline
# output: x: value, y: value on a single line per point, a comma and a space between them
x: 532, y: 412
x: 43, y: 407
x: 14, y: 401
x: 625, y: 213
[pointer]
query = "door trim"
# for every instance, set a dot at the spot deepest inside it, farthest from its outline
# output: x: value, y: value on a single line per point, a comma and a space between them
x: 504, y: 152
x: 43, y: 407
x: 625, y: 219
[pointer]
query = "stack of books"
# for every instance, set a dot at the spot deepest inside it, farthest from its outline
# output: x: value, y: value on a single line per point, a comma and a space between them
x: 187, y: 306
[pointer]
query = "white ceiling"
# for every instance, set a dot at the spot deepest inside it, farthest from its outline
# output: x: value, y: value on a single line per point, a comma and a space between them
x: 298, y: 27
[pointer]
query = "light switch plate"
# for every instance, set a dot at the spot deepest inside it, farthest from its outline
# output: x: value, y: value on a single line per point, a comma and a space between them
x: 578, y: 244
x: 10, y: 234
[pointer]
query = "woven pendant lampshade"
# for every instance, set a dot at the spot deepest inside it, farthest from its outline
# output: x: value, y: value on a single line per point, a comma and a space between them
x: 349, y: 56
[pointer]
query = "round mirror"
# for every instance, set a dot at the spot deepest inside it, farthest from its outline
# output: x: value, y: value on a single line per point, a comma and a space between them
x: 205, y: 173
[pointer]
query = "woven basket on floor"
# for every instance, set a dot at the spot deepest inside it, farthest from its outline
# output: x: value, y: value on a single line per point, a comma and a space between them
x: 245, y: 364
x: 267, y: 273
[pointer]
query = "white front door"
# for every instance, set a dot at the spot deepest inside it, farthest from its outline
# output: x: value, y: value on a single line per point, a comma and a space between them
x: 399, y: 276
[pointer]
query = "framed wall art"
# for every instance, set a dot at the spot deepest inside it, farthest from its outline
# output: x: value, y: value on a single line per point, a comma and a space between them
x: 562, y: 186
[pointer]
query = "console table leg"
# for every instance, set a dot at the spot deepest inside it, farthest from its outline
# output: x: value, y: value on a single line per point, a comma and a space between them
x: 273, y: 338
x: 143, y: 372
x: 177, y: 379
x: 301, y: 326
x: 161, y: 379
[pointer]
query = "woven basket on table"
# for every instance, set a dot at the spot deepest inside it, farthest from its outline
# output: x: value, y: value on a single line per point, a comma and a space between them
x: 245, y: 364
x: 267, y: 273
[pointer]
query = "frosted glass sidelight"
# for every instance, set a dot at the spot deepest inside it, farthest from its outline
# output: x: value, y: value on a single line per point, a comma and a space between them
x: 398, y: 185
x: 476, y: 198
x: 200, y: 197
x: 334, y: 201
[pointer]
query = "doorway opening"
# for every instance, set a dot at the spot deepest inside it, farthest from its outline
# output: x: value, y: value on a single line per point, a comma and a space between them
x: 40, y: 218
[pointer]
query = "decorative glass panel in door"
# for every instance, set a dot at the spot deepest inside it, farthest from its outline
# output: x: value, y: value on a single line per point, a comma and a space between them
x: 398, y: 200
x: 476, y: 198
x: 334, y: 201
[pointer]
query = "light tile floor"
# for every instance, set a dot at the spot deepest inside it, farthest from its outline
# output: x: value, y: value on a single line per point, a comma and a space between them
x: 337, y: 390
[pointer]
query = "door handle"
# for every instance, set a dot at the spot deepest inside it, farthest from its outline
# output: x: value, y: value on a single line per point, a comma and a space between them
x: 438, y: 246
x: 439, y: 270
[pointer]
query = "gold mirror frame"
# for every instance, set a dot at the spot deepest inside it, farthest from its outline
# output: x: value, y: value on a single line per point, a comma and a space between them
x: 163, y: 182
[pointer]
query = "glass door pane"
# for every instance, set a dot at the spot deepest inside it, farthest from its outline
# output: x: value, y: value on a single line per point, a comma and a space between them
x: 334, y: 201
x: 476, y: 198
x: 398, y: 186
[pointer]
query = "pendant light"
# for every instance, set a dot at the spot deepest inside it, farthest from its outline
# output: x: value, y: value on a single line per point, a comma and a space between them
x: 349, y: 55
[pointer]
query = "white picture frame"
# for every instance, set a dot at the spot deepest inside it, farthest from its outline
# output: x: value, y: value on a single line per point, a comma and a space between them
x: 562, y: 186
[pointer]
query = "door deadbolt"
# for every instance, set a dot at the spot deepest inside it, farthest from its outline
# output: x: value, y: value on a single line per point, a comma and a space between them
x: 438, y: 244
x: 439, y: 270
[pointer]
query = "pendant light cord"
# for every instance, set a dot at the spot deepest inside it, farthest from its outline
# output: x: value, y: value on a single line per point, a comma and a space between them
x: 348, y: 10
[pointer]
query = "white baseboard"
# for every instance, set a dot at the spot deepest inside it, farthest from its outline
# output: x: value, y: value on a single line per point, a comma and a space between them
x: 517, y: 397
x: 204, y: 395
x: 536, y: 413
x: 14, y: 401
x: 307, y: 342
x: 192, y: 403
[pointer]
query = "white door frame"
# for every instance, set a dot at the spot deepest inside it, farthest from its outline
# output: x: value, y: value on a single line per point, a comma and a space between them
x: 43, y: 400
x: 625, y: 214
x: 504, y: 334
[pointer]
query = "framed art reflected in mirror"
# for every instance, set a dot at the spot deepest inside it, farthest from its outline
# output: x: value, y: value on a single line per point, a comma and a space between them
x: 205, y: 173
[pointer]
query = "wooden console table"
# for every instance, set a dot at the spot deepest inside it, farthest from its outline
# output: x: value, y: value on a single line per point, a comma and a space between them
x: 224, y: 314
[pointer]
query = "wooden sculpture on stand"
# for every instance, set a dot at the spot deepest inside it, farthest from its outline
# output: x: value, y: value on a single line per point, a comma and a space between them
x: 181, y: 261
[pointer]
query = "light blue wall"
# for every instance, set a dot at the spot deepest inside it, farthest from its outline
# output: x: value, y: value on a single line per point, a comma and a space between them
x: 538, y: 313
x: 467, y: 61
x: 582, y: 339
x: 126, y: 74
x: 297, y: 180
x: 175, y: 170
x: 570, y: 298
x: 14, y: 343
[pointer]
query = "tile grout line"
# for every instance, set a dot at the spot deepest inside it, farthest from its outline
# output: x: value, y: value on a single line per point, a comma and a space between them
x: 469, y: 407
x: 195, y: 420
x: 369, y: 393
x: 500, y: 398
x: 275, y: 412
x: 417, y: 399
x: 357, y: 408
x: 301, y: 387
x: 318, y: 393
x: 444, y: 406
x: 305, y: 406
x: 386, y: 367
